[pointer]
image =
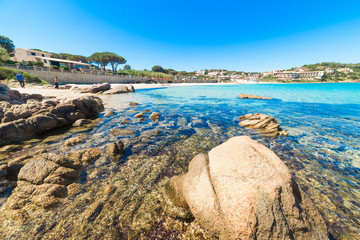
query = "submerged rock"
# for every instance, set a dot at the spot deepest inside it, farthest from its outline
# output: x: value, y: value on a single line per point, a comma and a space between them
x: 44, y: 180
x: 125, y: 121
x: 81, y: 122
x: 115, y: 150
x: 122, y: 132
x: 155, y: 116
x: 73, y: 141
x: 249, y: 96
x: 133, y: 104
x: 139, y: 115
x: 242, y: 190
x: 109, y: 113
x: 262, y: 122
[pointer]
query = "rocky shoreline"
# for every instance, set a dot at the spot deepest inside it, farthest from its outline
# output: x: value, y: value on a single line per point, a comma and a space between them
x: 23, y: 116
x: 119, y: 190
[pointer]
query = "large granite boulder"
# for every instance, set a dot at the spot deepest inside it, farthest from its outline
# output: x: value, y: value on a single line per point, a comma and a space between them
x: 100, y: 87
x: 120, y: 89
x: 265, y: 124
x: 20, y: 121
x: 242, y: 190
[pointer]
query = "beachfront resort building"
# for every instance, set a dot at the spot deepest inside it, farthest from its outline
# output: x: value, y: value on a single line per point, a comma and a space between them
x: 26, y: 55
x: 300, y: 72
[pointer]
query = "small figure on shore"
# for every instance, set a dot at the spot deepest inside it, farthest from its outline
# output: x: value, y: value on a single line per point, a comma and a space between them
x: 20, y: 79
x: 56, y: 82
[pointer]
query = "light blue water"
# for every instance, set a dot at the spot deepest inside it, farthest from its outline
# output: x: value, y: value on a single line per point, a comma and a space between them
x: 323, y: 121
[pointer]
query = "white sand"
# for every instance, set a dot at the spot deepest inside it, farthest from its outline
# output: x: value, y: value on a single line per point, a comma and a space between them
x: 47, y: 91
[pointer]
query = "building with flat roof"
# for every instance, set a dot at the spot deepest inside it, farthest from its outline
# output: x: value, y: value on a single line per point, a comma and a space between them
x: 25, y: 55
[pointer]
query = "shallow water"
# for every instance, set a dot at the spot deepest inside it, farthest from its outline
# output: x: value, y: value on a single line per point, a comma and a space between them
x: 322, y: 150
x: 323, y: 121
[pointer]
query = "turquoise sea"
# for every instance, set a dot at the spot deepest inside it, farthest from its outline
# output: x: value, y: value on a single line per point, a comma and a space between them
x: 323, y: 122
x: 322, y: 151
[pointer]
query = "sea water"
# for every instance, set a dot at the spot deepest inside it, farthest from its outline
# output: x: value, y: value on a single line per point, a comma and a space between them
x: 323, y: 122
x: 322, y: 151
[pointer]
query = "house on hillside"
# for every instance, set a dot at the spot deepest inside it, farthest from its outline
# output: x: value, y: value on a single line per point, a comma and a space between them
x: 329, y: 70
x: 301, y: 69
x: 25, y: 55
x: 345, y: 70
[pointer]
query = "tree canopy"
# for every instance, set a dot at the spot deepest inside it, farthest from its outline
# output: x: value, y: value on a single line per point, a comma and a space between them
x: 105, y: 58
x: 157, y: 68
x: 4, y: 55
x: 67, y: 56
x: 7, y: 44
x: 127, y: 67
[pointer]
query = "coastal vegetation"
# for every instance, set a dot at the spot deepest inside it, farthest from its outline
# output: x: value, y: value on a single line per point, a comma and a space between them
x: 8, y: 74
x: 144, y: 73
x: 7, y: 43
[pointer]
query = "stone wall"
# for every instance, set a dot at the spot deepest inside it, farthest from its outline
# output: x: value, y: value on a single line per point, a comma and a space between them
x: 76, y: 78
x: 69, y: 77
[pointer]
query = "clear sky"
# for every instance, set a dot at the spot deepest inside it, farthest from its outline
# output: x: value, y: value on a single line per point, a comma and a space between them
x: 252, y: 35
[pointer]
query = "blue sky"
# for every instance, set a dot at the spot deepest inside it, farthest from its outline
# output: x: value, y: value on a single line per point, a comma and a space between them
x: 189, y: 35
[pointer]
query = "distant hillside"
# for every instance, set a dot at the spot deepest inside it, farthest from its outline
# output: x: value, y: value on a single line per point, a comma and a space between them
x: 336, y: 72
x: 333, y: 65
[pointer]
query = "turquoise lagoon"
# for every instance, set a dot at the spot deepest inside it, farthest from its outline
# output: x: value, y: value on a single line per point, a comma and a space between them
x: 323, y: 121
x: 322, y: 151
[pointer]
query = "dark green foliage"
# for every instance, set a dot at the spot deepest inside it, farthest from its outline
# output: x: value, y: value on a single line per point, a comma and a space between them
x: 54, y: 67
x: 105, y: 58
x: 157, y: 68
x: 35, y: 63
x: 7, y: 44
x: 127, y: 67
x: 7, y: 74
x: 143, y: 73
x: 64, y: 67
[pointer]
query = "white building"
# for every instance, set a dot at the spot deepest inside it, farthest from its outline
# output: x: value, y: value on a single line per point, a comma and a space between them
x: 345, y: 70
x: 25, y: 55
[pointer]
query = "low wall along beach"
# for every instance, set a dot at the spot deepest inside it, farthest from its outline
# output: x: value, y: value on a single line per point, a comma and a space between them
x: 74, y: 77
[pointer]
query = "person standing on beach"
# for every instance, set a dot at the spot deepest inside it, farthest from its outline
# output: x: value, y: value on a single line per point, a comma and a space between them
x: 56, y: 82
x: 20, y: 79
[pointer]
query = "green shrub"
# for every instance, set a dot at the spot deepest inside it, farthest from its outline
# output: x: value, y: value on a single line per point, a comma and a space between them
x: 64, y: 67
x: 7, y: 74
x: 54, y: 67
x: 35, y: 63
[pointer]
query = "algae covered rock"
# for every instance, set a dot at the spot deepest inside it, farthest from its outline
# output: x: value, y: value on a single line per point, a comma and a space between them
x: 44, y: 180
x: 242, y: 190
x: 122, y: 132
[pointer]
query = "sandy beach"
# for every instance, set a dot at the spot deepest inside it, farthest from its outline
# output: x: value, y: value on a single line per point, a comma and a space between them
x: 48, y: 91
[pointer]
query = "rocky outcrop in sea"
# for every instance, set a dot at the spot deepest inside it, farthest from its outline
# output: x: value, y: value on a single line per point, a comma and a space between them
x: 265, y: 124
x: 242, y: 190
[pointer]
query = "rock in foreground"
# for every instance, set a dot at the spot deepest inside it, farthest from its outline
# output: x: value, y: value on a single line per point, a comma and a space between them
x: 262, y: 122
x: 21, y: 121
x: 242, y: 190
x: 249, y: 96
x: 44, y: 180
